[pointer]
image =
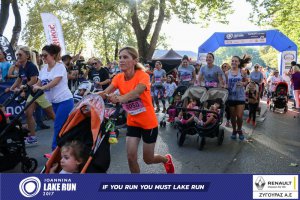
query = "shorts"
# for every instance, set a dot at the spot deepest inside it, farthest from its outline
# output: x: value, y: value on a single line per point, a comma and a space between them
x: 41, y: 101
x: 148, y: 135
x: 232, y: 103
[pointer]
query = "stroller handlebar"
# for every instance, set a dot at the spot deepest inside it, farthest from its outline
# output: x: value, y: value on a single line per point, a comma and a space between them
x: 197, y: 110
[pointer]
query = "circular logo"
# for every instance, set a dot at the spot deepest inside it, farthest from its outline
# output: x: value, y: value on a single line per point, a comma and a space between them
x: 229, y: 36
x: 29, y: 187
x: 289, y: 57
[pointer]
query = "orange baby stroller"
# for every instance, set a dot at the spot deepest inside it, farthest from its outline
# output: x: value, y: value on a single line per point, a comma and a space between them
x: 86, y: 123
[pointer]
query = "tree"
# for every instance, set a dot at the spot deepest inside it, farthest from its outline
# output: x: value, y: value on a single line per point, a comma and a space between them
x: 73, y: 27
x: 225, y: 54
x: 18, y: 27
x: 4, y: 14
x: 147, y: 17
x: 122, y: 19
x: 79, y: 27
x: 270, y: 56
x: 280, y: 14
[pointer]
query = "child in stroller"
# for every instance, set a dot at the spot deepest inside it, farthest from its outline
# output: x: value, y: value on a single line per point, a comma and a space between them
x: 214, y: 99
x: 211, y: 118
x: 84, y: 89
x: 86, y: 123
x: 279, y: 97
x: 193, y: 104
x: 74, y: 155
x: 176, y: 102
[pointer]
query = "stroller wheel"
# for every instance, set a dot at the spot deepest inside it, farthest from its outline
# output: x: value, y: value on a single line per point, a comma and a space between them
x: 180, y: 138
x: 201, y: 142
x: 29, y: 165
x: 220, y: 136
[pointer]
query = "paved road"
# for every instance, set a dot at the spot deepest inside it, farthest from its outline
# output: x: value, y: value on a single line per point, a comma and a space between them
x: 271, y: 147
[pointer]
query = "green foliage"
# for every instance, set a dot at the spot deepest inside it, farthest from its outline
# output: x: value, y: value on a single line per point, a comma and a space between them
x: 280, y: 14
x: 269, y: 55
x: 108, y: 25
x: 224, y: 55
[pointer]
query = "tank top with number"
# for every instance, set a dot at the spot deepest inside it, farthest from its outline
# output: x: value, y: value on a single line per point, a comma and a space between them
x: 236, y: 93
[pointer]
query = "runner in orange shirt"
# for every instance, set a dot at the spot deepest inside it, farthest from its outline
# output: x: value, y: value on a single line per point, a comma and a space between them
x: 134, y: 86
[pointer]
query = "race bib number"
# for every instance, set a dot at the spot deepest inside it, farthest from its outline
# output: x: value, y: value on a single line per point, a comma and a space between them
x: 134, y: 107
x: 186, y: 77
x: 157, y: 79
x: 211, y: 84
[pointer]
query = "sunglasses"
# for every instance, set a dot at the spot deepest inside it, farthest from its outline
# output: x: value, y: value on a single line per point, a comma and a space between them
x: 256, y: 67
x: 19, y: 55
x: 94, y: 63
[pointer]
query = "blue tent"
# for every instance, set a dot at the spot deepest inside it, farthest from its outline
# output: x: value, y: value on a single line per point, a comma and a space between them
x: 272, y: 38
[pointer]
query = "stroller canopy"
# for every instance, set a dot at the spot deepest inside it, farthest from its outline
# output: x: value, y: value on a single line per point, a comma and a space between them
x: 194, y: 91
x: 90, y: 106
x: 215, y: 93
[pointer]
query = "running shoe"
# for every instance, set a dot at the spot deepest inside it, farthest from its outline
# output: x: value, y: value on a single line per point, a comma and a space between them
x: 254, y: 123
x: 241, y: 135
x: 233, y: 136
x: 31, y: 140
x: 248, y: 120
x: 169, y: 166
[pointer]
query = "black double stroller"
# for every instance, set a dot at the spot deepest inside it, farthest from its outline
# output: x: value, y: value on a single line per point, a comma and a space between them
x: 206, y: 98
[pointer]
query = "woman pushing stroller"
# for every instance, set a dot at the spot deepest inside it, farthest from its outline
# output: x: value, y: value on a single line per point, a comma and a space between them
x: 134, y: 86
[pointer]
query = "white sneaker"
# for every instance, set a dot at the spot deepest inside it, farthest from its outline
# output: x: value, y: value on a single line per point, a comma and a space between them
x: 31, y: 140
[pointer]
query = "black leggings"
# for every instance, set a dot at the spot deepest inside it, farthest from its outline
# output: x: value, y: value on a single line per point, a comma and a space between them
x: 252, y: 110
x: 227, y: 112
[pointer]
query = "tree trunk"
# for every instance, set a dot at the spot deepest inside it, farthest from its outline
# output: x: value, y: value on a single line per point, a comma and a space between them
x: 78, y: 39
x: 116, y: 51
x: 145, y: 49
x: 120, y: 29
x: 157, y: 29
x: 4, y: 14
x: 18, y: 25
x: 105, y: 42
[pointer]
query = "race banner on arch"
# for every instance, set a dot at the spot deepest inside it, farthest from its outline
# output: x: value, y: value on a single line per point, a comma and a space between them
x: 53, y: 31
x: 7, y: 48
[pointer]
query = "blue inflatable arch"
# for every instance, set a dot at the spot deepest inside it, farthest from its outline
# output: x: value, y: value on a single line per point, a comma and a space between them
x: 287, y: 48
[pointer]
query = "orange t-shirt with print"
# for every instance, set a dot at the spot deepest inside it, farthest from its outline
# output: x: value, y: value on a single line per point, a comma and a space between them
x: 147, y: 118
